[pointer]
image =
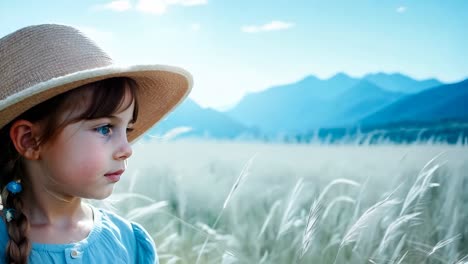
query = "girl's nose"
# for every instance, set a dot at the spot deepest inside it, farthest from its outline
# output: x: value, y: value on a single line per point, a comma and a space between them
x: 124, y: 150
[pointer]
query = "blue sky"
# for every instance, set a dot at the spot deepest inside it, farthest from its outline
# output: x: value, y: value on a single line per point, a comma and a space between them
x: 239, y: 46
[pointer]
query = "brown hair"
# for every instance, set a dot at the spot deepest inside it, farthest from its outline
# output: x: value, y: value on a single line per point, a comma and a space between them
x: 98, y: 99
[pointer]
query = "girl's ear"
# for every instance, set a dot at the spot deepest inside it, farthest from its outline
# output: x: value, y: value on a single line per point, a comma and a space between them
x: 24, y: 136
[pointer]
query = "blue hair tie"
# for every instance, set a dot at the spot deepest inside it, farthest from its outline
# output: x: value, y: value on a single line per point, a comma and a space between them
x: 14, y: 187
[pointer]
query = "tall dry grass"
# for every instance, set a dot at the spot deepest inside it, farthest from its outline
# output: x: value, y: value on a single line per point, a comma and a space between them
x: 214, y: 203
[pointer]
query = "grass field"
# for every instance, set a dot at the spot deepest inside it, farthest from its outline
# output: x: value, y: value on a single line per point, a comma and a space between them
x: 207, y: 202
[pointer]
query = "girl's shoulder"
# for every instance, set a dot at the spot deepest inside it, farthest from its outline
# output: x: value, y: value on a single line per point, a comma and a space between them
x: 118, y: 224
x: 132, y: 235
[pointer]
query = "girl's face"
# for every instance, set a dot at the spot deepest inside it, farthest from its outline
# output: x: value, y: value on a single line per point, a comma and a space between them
x: 88, y: 157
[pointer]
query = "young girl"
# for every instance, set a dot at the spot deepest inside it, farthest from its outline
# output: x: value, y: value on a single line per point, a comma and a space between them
x: 67, y: 118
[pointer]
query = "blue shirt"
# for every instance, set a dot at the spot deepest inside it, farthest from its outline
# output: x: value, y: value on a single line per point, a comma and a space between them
x: 111, y: 240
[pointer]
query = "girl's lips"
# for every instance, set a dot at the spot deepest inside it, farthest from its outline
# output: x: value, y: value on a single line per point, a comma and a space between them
x: 114, y: 176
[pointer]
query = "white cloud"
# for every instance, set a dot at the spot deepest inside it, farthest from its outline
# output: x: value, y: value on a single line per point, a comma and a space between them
x: 119, y: 6
x: 401, y: 9
x: 273, y: 25
x: 187, y: 2
x: 159, y: 7
x: 156, y: 7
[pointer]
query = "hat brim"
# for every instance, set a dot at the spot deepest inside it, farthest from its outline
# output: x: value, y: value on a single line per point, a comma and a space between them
x: 160, y: 88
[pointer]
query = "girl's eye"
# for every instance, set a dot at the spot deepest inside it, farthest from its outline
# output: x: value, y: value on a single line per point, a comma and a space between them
x: 105, y: 130
x: 129, y: 130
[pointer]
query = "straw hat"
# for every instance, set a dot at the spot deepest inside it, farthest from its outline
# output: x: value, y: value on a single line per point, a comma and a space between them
x: 40, y: 62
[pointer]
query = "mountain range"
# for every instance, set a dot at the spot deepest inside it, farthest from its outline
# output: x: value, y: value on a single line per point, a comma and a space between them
x: 311, y: 103
x: 201, y: 122
x: 438, y: 103
x: 398, y: 82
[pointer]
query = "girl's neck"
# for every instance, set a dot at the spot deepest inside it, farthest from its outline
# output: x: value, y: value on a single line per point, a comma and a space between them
x: 46, y: 208
x: 54, y: 221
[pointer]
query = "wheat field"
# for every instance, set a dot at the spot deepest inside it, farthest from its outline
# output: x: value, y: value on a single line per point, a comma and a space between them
x: 228, y: 202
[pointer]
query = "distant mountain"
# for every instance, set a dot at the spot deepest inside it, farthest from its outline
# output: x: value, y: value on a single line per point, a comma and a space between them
x: 439, y: 103
x: 397, y: 82
x: 338, y: 102
x: 312, y: 103
x: 359, y: 101
x: 291, y: 107
x: 203, y: 122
